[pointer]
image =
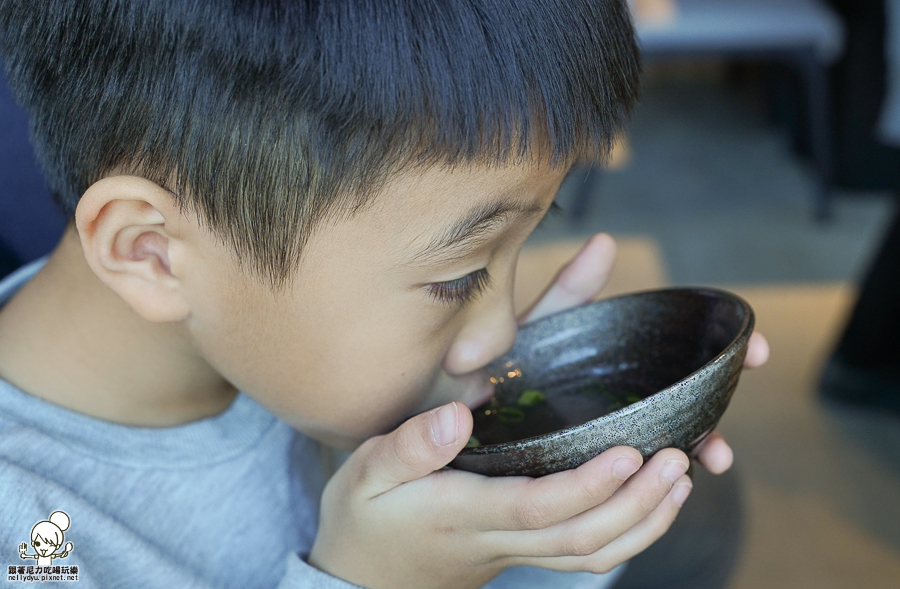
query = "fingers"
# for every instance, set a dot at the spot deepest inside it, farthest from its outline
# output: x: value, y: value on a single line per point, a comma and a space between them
x: 423, y: 444
x: 579, y: 281
x: 757, y: 351
x: 543, y: 502
x: 588, y: 532
x: 714, y: 453
x: 630, y: 543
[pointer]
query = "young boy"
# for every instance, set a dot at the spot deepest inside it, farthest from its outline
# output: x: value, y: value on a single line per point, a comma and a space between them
x: 320, y: 205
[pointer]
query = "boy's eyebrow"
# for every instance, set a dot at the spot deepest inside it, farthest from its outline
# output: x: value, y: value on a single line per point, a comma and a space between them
x: 473, y: 228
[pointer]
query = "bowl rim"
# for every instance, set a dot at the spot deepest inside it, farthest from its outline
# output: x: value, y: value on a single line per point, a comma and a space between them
x: 736, y: 344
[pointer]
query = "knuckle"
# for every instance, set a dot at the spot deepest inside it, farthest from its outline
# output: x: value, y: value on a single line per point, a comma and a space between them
x: 647, y: 499
x: 582, y: 543
x: 645, y: 503
x: 533, y: 513
x: 409, y: 453
x: 594, y: 488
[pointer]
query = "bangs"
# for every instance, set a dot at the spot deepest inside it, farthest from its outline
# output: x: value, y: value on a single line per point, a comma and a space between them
x: 265, y: 116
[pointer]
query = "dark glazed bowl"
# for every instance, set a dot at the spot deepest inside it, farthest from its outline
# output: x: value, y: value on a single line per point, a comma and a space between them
x: 679, y: 350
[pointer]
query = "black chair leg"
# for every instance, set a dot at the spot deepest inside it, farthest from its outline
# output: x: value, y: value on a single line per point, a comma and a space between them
x: 818, y: 97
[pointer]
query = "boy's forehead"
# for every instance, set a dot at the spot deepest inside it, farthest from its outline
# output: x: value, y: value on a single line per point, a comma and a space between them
x: 439, y: 192
x: 433, y: 216
x: 439, y: 207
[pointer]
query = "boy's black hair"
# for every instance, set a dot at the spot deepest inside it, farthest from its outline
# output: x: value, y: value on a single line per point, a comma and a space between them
x: 264, y: 116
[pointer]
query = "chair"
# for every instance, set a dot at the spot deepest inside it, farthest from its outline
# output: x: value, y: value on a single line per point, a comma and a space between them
x: 805, y: 34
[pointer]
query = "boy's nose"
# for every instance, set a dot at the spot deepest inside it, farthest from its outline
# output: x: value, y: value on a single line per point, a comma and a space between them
x: 488, y: 334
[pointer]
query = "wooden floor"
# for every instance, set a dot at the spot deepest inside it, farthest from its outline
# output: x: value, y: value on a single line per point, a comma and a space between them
x: 822, y: 489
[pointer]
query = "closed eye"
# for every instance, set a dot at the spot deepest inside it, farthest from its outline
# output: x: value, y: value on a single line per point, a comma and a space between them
x: 461, y: 290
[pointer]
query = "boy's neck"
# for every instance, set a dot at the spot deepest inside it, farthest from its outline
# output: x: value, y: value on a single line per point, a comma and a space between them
x: 66, y: 338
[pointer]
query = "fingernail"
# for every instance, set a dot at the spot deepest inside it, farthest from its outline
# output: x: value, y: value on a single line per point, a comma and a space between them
x: 680, y: 493
x: 444, y: 425
x: 625, y: 467
x: 673, y: 470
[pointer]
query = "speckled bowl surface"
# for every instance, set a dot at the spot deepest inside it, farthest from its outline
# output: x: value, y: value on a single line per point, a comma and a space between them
x: 651, y: 370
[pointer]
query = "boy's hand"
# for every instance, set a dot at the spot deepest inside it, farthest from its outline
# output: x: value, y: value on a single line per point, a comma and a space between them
x: 582, y: 279
x: 391, y: 518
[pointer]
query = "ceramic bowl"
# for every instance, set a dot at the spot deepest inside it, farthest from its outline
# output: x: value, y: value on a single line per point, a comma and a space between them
x: 650, y: 370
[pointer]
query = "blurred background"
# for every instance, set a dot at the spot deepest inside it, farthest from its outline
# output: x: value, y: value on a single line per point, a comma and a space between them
x: 723, y: 179
x: 755, y: 162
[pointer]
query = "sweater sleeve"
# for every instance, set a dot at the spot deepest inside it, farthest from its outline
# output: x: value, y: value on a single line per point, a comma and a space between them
x: 301, y: 575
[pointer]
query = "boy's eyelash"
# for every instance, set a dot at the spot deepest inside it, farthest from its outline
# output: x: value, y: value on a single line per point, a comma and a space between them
x: 462, y: 290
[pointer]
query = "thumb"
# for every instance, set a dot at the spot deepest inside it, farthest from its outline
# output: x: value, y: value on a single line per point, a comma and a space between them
x: 423, y: 444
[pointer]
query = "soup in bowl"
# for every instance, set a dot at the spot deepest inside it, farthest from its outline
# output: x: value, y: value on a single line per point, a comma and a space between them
x: 650, y: 370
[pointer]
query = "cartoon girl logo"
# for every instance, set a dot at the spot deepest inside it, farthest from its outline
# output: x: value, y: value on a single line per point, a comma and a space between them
x: 46, y: 538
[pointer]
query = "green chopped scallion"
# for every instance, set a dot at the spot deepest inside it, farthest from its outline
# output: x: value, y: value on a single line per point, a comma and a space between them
x: 510, y: 415
x: 530, y: 397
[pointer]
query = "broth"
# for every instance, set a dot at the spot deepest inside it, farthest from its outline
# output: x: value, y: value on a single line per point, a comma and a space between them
x: 537, y: 412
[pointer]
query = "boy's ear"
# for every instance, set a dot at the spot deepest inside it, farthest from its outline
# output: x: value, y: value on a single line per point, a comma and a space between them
x: 128, y: 228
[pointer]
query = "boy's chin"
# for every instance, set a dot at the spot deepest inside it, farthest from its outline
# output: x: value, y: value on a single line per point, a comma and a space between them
x: 337, y: 441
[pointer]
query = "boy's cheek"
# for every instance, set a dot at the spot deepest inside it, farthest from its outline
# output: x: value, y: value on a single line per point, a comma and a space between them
x: 356, y: 408
x: 352, y: 405
x: 355, y: 427
x: 340, y: 373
